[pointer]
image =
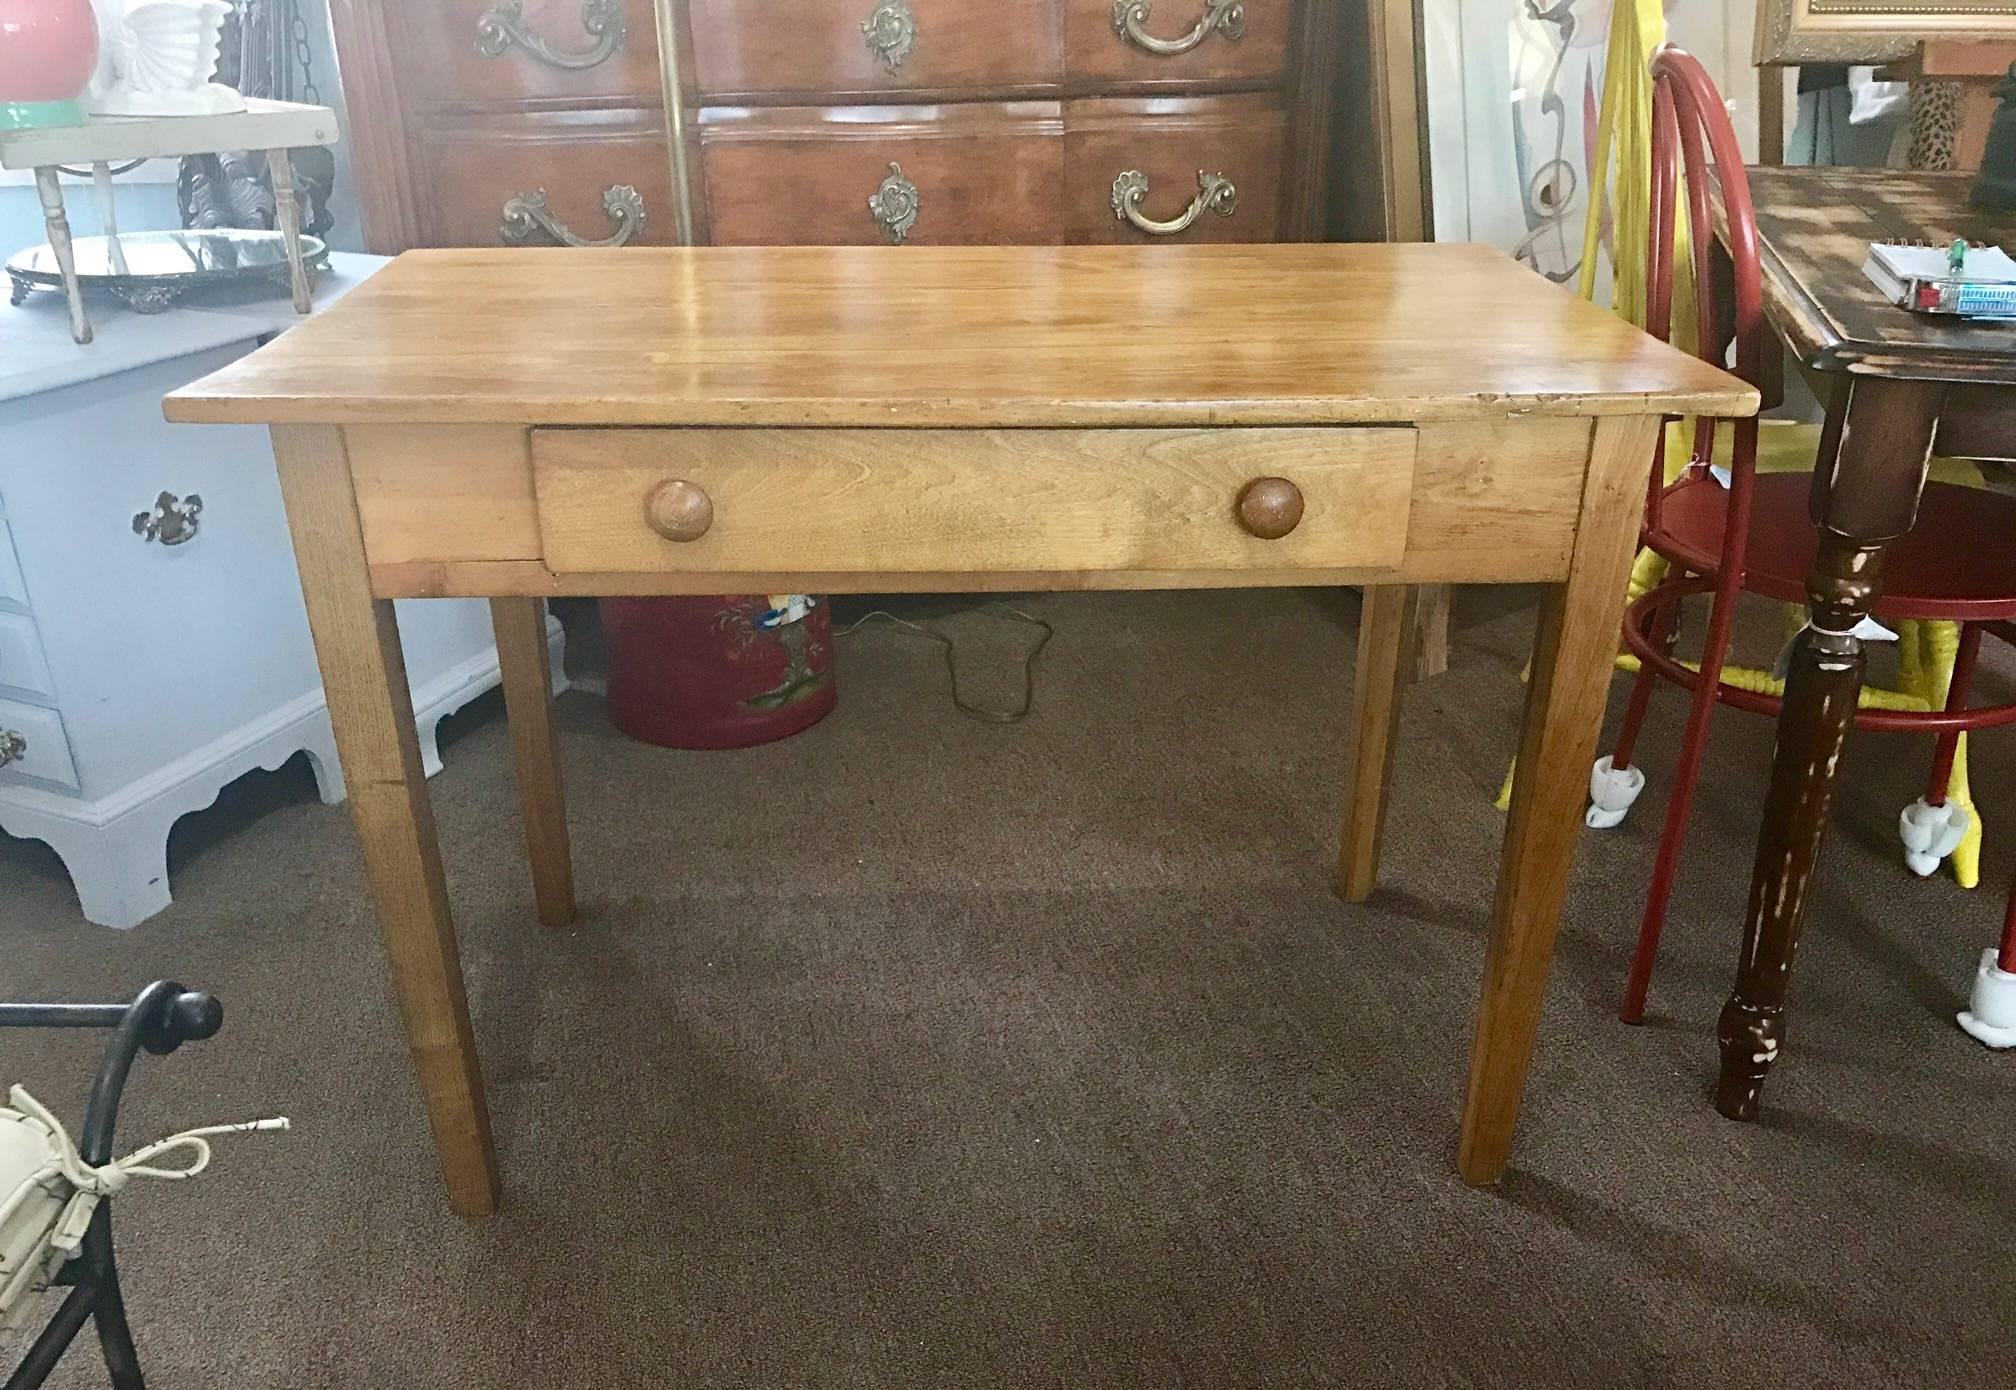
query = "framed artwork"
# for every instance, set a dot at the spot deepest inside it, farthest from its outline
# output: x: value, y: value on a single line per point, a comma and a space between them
x: 1871, y: 31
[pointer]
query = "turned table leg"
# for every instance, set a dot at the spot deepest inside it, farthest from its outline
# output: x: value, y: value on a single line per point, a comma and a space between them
x: 1866, y: 485
x: 1573, y: 656
x: 371, y: 709
x: 1384, y: 617
x: 287, y: 216
x: 48, y: 187
x: 526, y: 663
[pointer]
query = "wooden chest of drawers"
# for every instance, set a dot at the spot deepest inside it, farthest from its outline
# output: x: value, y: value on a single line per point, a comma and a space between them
x: 479, y: 122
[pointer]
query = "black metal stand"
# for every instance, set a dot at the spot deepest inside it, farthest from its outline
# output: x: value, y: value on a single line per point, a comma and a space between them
x: 160, y: 1019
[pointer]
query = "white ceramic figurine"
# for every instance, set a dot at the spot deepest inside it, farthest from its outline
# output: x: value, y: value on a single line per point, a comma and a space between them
x: 156, y: 58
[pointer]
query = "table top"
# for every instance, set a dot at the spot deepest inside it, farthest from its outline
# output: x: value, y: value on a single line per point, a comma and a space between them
x: 263, y: 125
x: 1815, y: 225
x: 1062, y: 337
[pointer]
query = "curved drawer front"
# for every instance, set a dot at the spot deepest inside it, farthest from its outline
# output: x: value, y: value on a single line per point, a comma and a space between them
x: 1152, y: 41
x: 590, y: 179
x: 1176, y: 169
x: 747, y: 47
x: 930, y: 501
x: 968, y: 174
x: 33, y: 746
x: 461, y: 52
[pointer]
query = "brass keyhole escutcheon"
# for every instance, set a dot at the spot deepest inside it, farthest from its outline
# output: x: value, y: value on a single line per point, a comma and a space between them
x: 679, y: 510
x: 1270, y: 508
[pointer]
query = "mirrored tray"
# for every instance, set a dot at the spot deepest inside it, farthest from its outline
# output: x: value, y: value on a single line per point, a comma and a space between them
x: 150, y: 271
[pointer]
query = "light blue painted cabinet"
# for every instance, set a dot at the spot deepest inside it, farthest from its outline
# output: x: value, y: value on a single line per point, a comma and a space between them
x: 143, y: 668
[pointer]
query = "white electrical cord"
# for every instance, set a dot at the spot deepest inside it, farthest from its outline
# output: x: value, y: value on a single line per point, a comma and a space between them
x: 41, y: 1223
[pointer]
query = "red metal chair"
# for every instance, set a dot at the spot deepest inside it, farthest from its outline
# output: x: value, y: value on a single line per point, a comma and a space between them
x: 1755, y: 535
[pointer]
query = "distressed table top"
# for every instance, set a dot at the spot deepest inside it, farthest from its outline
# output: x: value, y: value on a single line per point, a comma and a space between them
x: 1061, y: 337
x: 1815, y: 226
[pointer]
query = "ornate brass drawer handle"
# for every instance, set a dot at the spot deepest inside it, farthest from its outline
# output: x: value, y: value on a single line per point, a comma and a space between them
x: 503, y: 25
x: 891, y: 31
x: 174, y: 520
x: 526, y: 214
x: 1214, y: 191
x: 13, y: 747
x: 894, y: 204
x: 1130, y: 19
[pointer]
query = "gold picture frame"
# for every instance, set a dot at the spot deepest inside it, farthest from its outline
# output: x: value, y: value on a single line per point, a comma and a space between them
x: 1791, y: 32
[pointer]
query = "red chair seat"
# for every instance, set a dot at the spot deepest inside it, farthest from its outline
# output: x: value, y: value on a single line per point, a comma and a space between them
x: 1958, y: 563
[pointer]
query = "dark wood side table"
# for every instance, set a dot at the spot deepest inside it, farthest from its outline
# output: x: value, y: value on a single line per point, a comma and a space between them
x: 1895, y: 383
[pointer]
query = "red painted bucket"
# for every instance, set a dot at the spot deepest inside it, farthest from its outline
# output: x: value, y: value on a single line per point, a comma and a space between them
x: 719, y: 671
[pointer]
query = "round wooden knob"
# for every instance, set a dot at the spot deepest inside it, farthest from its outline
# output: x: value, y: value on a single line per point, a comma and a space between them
x: 1270, y: 508
x: 679, y: 510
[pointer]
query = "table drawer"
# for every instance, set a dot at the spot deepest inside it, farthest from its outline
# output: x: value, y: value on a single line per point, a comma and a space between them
x: 1150, y: 41
x: 13, y: 589
x: 22, y: 667
x: 970, y: 174
x: 33, y: 745
x: 457, y: 52
x: 1002, y: 501
x: 584, y: 178
x: 848, y: 47
x: 1173, y: 169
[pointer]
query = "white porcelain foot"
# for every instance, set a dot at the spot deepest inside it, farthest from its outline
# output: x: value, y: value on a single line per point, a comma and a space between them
x: 1990, y: 1016
x: 1930, y: 833
x: 1611, y: 793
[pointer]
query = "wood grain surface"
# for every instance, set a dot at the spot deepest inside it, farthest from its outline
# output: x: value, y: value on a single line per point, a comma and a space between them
x: 985, y: 172
x: 916, y: 336
x: 439, y: 65
x: 1095, y: 51
x: 1170, y: 139
x: 758, y: 46
x: 371, y: 709
x: 1816, y: 224
x: 476, y: 164
x: 888, y: 502
x: 1573, y: 655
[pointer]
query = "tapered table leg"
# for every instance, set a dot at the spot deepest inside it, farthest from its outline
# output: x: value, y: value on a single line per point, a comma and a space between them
x: 522, y: 653
x: 1867, y: 482
x: 371, y: 709
x: 1384, y: 618
x: 50, y: 190
x: 287, y: 215
x: 1573, y: 657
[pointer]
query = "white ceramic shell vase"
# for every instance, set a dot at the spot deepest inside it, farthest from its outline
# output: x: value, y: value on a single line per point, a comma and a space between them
x: 156, y: 58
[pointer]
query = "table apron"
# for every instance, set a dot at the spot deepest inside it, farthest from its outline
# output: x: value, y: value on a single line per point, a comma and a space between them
x: 491, y: 510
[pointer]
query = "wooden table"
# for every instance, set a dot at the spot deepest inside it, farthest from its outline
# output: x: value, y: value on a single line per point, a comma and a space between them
x: 1895, y: 383
x: 517, y: 424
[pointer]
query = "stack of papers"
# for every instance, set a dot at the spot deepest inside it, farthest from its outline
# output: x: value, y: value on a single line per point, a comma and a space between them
x: 1921, y: 277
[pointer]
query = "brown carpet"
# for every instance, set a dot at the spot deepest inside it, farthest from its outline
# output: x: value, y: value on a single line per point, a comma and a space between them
x: 916, y: 1051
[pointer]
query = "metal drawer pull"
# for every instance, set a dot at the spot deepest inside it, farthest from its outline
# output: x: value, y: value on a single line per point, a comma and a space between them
x: 1130, y: 17
x: 526, y: 214
x: 13, y: 747
x: 890, y: 30
x: 174, y: 520
x: 1214, y: 191
x: 503, y: 25
x: 894, y: 205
